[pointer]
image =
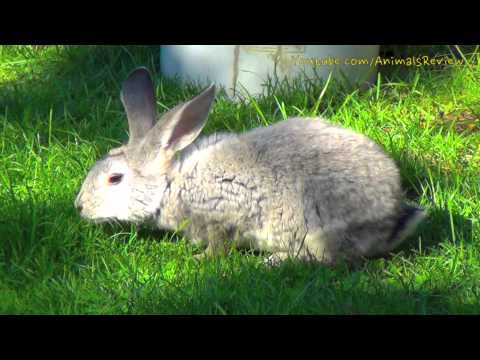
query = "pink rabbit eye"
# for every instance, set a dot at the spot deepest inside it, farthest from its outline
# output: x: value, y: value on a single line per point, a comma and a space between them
x: 114, y: 179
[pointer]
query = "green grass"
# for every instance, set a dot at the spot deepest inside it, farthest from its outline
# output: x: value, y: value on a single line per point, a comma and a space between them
x: 60, y: 111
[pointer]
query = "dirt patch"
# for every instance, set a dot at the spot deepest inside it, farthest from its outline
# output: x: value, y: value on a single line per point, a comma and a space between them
x: 464, y: 121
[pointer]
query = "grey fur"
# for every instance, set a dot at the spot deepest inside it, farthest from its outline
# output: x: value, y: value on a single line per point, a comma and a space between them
x: 300, y: 188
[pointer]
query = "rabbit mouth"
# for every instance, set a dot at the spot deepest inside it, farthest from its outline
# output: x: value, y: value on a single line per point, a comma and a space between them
x: 106, y: 220
x: 101, y: 220
x: 98, y: 220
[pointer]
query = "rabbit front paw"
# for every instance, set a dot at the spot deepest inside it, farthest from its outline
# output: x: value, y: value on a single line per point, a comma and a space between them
x: 210, y: 252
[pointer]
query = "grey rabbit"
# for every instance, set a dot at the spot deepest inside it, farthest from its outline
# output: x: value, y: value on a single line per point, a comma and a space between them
x: 302, y: 188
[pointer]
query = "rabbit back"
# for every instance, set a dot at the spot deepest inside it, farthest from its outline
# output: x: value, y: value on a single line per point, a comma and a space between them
x: 276, y: 186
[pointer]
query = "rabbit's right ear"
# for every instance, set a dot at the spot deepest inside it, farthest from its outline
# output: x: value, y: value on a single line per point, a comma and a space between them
x: 180, y: 126
x: 138, y: 98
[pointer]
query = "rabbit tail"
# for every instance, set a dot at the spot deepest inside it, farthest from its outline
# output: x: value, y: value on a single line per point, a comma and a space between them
x: 409, y: 219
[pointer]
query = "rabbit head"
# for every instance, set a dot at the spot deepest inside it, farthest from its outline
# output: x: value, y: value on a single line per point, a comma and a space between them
x: 128, y: 183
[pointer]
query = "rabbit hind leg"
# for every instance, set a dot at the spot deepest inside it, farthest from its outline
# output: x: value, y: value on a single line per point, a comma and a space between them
x: 312, y: 248
x: 315, y: 247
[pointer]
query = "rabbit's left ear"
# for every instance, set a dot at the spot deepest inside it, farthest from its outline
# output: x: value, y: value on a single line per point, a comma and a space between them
x: 180, y: 126
x: 138, y: 98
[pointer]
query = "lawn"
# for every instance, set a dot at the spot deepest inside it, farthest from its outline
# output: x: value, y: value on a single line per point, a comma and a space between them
x: 60, y: 111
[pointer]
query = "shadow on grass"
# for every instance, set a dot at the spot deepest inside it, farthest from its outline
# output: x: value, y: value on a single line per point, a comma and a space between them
x: 244, y: 287
x: 60, y: 84
x: 443, y: 223
x: 240, y: 284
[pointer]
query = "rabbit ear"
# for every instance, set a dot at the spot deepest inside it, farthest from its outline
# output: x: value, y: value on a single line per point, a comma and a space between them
x: 138, y: 98
x: 180, y: 126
